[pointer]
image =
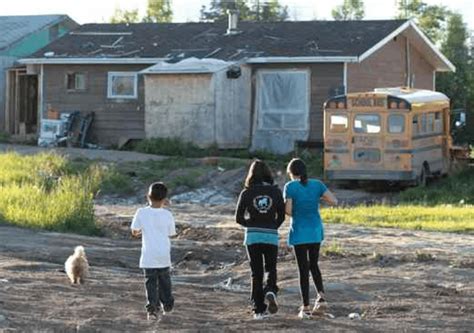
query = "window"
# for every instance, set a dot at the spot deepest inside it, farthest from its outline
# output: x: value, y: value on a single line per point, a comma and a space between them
x: 338, y: 123
x: 438, y: 122
x: 122, y: 85
x: 367, y: 123
x: 283, y: 99
x: 396, y: 123
x: 430, y: 126
x: 415, y: 127
x: 75, y: 81
x: 423, y: 123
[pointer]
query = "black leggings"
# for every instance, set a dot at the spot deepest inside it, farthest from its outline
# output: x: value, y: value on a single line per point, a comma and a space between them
x: 307, y: 258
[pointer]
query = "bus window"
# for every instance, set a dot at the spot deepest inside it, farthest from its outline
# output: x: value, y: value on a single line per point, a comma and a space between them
x: 430, y: 122
x: 423, y: 123
x: 338, y: 123
x: 415, y: 128
x: 438, y: 122
x: 367, y: 123
x: 396, y: 123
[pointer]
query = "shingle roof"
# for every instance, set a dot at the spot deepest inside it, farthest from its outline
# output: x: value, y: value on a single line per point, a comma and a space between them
x: 257, y: 39
x: 14, y: 28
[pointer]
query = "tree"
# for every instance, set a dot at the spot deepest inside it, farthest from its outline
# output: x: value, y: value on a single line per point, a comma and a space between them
x: 256, y: 10
x: 432, y: 19
x: 159, y: 11
x: 125, y: 16
x: 458, y: 85
x: 349, y: 10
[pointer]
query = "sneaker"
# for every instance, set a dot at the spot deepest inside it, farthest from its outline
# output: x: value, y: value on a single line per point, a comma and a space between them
x: 167, y: 309
x: 152, y: 316
x: 260, y: 316
x: 320, y: 305
x: 272, y: 302
x: 305, y: 313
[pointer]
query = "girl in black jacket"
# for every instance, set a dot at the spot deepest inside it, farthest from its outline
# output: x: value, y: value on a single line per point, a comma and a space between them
x: 261, y: 211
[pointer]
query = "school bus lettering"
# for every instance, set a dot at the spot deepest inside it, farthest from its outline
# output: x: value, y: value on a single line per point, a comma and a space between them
x: 368, y: 102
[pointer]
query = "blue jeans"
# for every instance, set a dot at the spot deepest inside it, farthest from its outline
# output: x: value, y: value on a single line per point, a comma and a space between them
x: 158, y: 289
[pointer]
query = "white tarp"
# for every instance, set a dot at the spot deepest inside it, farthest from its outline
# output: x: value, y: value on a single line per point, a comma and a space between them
x: 188, y: 65
x: 282, y: 110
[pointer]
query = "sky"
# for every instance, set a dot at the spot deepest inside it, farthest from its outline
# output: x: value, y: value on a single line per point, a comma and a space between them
x: 89, y: 11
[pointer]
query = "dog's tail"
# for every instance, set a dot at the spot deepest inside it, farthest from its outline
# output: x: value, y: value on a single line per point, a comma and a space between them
x: 79, y: 250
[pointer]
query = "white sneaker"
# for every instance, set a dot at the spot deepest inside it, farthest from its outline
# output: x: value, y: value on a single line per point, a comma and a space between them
x: 272, y: 302
x: 320, y: 305
x: 260, y: 316
x: 304, y: 313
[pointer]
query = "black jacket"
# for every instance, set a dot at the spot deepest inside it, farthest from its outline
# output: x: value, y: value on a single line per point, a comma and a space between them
x: 264, y: 205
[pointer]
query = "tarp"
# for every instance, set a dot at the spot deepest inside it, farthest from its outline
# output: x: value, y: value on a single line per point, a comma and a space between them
x: 188, y: 66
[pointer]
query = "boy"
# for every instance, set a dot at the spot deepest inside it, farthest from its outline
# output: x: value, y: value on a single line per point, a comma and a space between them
x: 156, y: 225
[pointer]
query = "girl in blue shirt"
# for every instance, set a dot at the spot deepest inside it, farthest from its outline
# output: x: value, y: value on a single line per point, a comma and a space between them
x: 302, y: 198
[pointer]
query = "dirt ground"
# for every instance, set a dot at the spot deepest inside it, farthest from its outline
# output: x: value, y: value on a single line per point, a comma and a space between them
x: 396, y: 280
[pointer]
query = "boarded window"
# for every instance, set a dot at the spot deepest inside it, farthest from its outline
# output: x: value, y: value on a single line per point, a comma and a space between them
x: 76, y: 81
x: 430, y: 125
x: 367, y: 123
x: 367, y: 155
x: 424, y: 122
x: 396, y: 123
x: 122, y: 85
x: 283, y: 100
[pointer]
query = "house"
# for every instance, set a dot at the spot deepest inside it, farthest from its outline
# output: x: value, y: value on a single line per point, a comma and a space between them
x: 21, y: 36
x: 277, y: 76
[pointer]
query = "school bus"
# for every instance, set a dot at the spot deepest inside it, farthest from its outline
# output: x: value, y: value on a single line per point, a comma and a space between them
x: 390, y: 134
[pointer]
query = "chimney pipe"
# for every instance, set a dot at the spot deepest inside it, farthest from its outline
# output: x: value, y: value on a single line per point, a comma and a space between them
x: 233, y: 19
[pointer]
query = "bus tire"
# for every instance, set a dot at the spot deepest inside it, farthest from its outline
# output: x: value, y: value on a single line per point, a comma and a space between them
x: 423, y: 177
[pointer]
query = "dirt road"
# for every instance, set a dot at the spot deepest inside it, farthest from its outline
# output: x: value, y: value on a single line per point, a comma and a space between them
x: 396, y: 280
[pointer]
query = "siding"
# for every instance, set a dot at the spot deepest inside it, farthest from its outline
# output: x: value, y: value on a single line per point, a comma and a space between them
x: 387, y: 68
x: 115, y: 119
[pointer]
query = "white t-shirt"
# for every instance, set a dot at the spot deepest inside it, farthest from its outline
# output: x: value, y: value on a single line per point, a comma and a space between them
x: 156, y: 225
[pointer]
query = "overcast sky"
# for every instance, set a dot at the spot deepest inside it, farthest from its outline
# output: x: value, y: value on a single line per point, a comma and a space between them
x: 87, y: 11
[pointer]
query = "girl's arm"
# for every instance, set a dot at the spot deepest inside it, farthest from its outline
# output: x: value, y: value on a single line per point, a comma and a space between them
x: 329, y: 198
x: 288, y: 206
x: 240, y: 211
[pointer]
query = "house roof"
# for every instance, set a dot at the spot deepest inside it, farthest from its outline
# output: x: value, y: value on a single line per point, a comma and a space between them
x: 289, y: 41
x: 15, y: 28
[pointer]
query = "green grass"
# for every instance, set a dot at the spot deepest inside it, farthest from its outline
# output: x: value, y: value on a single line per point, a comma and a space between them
x: 41, y: 192
x: 454, y: 189
x: 447, y: 218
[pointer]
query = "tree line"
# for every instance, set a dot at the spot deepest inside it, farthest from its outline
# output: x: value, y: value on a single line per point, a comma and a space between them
x: 445, y: 28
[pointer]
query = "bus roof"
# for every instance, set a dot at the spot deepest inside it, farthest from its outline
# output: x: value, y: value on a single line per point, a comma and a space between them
x: 414, y: 95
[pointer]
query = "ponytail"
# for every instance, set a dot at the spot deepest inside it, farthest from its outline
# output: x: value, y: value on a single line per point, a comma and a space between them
x: 298, y: 168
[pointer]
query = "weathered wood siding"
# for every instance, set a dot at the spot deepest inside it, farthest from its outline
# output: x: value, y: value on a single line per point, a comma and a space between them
x: 115, y: 119
x: 387, y: 68
x: 326, y: 80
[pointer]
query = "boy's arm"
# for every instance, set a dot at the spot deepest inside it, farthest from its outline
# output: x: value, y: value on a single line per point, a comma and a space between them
x: 172, y: 228
x: 136, y: 227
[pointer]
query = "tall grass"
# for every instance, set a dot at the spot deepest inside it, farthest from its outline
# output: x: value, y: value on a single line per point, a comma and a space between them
x: 41, y: 191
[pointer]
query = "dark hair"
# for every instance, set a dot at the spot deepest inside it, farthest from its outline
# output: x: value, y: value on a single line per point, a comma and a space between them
x: 259, y: 172
x: 157, y: 191
x: 297, y: 168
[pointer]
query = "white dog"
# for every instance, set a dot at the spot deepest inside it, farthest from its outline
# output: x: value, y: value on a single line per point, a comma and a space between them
x: 76, y: 266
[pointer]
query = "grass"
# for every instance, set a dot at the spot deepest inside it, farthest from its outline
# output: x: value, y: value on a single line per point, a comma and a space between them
x: 447, y: 218
x: 42, y: 192
x: 176, y: 147
x: 454, y: 189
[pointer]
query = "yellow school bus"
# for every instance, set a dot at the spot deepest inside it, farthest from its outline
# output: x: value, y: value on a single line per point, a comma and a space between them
x: 390, y: 134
